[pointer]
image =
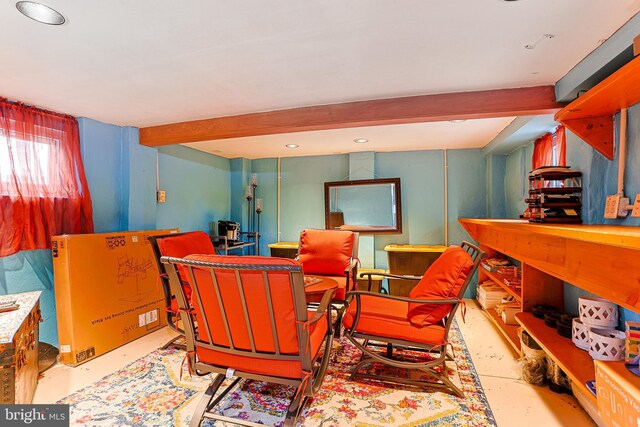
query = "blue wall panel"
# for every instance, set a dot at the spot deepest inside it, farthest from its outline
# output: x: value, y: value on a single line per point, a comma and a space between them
x: 421, y: 176
x: 302, y: 191
x: 197, y: 186
x: 32, y: 271
x: 102, y: 155
x: 267, y: 191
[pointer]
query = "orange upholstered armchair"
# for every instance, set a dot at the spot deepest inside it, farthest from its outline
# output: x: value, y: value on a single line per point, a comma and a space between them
x: 253, y: 322
x: 177, y: 245
x: 421, y: 321
x: 333, y: 254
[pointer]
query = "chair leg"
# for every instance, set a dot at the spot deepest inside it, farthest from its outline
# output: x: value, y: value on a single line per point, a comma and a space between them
x: 172, y: 343
x: 324, y: 363
x: 203, y: 405
x: 298, y: 402
x: 368, y: 357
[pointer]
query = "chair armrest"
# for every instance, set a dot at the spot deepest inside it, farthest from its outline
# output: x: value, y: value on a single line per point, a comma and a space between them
x: 392, y: 276
x: 406, y: 299
x: 324, y: 305
x: 352, y: 265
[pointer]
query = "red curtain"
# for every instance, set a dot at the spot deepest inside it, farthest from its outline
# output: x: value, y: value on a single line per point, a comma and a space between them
x: 561, y: 146
x: 543, y: 150
x: 43, y: 188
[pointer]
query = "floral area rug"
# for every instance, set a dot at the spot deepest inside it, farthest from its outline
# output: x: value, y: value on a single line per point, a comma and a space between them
x: 149, y: 392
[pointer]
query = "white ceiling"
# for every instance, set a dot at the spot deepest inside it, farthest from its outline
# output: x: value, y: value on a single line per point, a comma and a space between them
x: 416, y: 136
x: 149, y: 62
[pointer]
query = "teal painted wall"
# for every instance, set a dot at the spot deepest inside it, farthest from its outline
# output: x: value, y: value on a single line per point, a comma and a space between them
x: 422, y: 186
x: 496, y: 201
x: 599, y: 178
x: 197, y: 188
x: 467, y: 192
x: 518, y: 165
x: 101, y: 147
x: 267, y: 191
x: 32, y: 271
x: 302, y: 191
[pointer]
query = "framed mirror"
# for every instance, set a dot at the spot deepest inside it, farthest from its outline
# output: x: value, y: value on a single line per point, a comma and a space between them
x: 370, y: 206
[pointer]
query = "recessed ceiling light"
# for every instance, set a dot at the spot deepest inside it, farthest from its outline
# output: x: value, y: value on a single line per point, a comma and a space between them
x: 292, y: 145
x: 458, y: 121
x: 41, y: 13
x: 360, y: 140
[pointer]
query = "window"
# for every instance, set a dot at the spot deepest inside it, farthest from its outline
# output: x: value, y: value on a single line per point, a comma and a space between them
x: 550, y: 150
x: 43, y: 189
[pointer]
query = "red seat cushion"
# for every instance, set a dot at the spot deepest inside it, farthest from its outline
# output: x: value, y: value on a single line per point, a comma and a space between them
x: 442, y: 280
x: 279, y: 368
x: 326, y: 252
x: 254, y: 296
x: 388, y: 318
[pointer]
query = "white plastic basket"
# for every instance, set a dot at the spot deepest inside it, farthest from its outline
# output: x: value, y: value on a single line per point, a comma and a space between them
x: 580, y: 334
x: 598, y: 312
x: 606, y: 344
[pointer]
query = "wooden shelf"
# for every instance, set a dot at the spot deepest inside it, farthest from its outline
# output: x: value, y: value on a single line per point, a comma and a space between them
x: 576, y: 363
x: 510, y: 332
x: 601, y: 259
x: 591, y: 257
x: 591, y: 115
x: 497, y: 279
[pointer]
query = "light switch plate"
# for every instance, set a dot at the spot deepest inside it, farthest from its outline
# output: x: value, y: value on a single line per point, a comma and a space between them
x: 611, y: 206
x: 636, y: 207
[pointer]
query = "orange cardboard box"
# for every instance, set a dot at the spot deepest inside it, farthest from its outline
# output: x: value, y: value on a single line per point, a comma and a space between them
x: 618, y: 394
x: 107, y: 292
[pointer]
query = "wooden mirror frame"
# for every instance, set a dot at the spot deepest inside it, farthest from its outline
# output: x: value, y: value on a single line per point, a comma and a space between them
x: 370, y: 229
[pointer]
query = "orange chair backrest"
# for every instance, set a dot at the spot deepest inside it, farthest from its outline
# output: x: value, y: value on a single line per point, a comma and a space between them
x: 442, y: 280
x: 179, y: 246
x: 251, y: 289
x: 326, y: 252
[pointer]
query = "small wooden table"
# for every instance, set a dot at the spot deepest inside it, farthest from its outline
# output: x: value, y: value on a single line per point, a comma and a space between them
x: 315, y: 291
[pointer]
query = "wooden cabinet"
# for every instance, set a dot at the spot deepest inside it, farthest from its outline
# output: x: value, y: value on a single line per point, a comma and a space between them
x: 601, y: 259
x: 19, y: 348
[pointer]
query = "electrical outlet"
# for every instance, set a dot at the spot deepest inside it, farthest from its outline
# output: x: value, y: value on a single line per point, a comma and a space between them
x: 636, y: 207
x: 623, y: 211
x: 161, y: 196
x: 611, y: 206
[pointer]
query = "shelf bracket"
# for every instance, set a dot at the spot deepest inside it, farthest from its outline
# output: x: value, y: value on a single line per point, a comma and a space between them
x: 596, y: 131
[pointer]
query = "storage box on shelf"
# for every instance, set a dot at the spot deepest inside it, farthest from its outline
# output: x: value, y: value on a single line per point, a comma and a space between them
x: 497, y: 281
x: 591, y: 257
x: 618, y: 394
x: 555, y: 196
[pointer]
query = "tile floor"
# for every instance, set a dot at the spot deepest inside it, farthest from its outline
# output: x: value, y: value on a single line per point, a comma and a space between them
x: 513, y: 401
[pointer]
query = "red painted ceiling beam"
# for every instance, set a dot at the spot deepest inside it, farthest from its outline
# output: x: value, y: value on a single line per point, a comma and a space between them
x: 413, y: 109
